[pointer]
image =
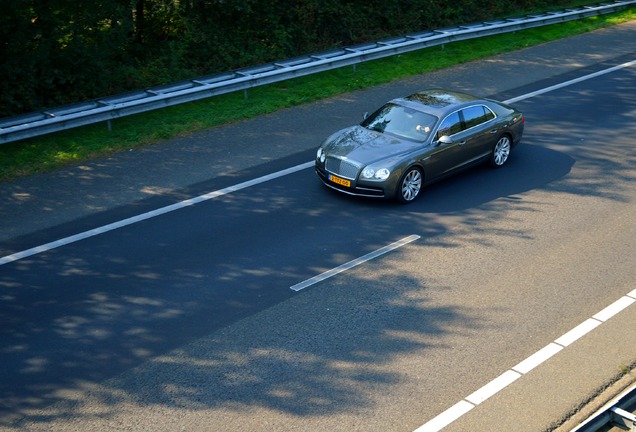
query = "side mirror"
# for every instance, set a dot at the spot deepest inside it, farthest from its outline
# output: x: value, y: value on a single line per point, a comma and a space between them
x: 445, y: 139
x: 365, y: 115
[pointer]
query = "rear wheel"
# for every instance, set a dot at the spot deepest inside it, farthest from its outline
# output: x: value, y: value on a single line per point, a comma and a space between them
x: 410, y: 185
x: 501, y: 151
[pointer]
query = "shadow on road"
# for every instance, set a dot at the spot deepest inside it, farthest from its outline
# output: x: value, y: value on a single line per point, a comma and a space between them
x: 77, y: 316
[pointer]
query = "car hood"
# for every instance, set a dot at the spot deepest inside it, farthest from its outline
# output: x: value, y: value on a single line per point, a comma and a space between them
x: 366, y: 146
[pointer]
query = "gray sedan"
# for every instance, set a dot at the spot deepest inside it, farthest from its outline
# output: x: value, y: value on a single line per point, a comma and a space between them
x: 413, y: 141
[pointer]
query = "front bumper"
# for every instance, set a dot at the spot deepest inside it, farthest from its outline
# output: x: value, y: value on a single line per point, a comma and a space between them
x: 356, y: 188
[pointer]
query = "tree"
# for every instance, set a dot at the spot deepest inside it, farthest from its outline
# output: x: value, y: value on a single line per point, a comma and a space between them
x: 64, y: 51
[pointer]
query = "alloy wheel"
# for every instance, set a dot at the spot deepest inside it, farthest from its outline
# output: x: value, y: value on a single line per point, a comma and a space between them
x: 411, y: 185
x: 501, y: 151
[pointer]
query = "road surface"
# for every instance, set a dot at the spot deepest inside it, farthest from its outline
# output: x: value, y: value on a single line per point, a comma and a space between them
x: 495, y: 301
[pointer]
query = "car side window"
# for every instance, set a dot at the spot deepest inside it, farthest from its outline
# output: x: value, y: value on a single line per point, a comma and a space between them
x: 476, y: 115
x: 450, y: 125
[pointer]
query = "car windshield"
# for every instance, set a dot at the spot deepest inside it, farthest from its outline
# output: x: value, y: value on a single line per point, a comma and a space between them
x: 402, y: 122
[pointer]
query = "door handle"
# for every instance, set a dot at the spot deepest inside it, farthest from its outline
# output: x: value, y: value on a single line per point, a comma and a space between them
x: 462, y: 142
x: 493, y: 131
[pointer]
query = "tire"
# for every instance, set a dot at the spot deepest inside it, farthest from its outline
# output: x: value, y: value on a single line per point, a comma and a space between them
x: 410, y: 185
x: 501, y: 152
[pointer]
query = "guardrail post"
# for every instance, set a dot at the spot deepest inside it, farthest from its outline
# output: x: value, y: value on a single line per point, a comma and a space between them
x: 623, y: 419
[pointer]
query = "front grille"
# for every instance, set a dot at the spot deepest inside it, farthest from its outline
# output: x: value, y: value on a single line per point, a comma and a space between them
x: 342, y: 168
x: 367, y: 191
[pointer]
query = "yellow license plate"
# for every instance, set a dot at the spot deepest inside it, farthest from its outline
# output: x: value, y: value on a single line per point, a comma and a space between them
x: 339, y: 180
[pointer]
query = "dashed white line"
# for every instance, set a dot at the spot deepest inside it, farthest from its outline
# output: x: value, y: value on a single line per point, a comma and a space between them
x: 353, y: 263
x: 471, y: 401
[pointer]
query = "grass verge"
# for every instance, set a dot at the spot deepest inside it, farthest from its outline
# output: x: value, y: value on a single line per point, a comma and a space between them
x: 61, y: 149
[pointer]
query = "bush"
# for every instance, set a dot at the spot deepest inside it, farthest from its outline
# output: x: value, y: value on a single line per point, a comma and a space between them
x: 67, y: 51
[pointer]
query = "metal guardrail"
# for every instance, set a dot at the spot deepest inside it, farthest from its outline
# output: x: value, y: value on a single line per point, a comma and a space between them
x: 112, y: 107
x: 613, y: 414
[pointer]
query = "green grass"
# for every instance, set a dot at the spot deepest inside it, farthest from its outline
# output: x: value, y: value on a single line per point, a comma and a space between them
x: 61, y: 149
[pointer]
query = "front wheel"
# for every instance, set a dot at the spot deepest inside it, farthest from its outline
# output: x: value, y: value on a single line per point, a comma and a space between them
x: 501, y: 152
x: 410, y: 185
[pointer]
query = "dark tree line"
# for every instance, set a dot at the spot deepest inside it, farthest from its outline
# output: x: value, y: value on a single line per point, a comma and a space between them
x: 54, y: 52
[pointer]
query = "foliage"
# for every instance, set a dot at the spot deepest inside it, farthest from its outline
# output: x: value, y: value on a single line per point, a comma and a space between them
x: 65, y: 51
x: 73, y: 146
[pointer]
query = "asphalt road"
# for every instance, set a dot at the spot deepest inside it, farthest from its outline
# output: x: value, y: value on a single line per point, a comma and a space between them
x: 186, y: 321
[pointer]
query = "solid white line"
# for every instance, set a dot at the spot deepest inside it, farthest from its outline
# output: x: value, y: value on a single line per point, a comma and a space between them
x: 100, y: 230
x: 516, y: 372
x: 493, y: 387
x: 614, y: 308
x: 537, y: 358
x: 462, y: 407
x: 326, y: 275
x: 570, y: 82
x: 578, y: 332
x: 447, y: 417
x: 68, y: 240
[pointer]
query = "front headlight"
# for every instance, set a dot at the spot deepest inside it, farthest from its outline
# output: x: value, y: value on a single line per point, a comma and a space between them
x: 320, y: 155
x: 370, y: 173
x: 382, y: 174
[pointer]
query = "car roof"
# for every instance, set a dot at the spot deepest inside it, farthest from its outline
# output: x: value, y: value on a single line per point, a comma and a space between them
x: 437, y: 101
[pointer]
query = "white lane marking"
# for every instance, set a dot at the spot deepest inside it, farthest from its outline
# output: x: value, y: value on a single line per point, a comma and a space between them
x: 570, y: 82
x: 132, y: 220
x: 578, y: 332
x: 493, y: 387
x: 614, y: 308
x: 537, y: 358
x: 447, y: 417
x: 326, y: 275
x: 100, y: 230
x: 504, y: 380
